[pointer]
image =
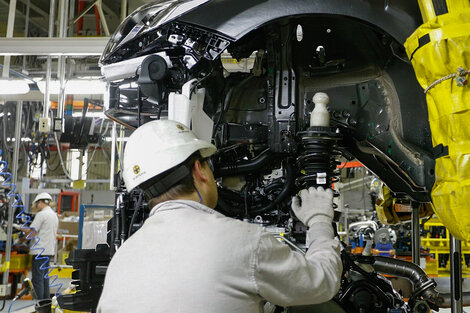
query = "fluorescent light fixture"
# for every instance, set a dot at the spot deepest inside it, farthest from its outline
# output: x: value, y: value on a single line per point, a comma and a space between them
x: 90, y: 114
x: 75, y: 87
x: 13, y: 87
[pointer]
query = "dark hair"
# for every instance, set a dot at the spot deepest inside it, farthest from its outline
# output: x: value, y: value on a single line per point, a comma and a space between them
x: 183, y: 187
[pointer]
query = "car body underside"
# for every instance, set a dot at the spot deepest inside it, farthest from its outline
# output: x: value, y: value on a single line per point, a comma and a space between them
x: 356, y: 56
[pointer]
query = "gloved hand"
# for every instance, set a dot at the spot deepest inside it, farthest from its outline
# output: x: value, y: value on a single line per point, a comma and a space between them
x: 317, y: 206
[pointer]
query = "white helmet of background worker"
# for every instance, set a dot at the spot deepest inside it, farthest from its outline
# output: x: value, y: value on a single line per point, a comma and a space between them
x: 43, y: 196
x: 156, y: 148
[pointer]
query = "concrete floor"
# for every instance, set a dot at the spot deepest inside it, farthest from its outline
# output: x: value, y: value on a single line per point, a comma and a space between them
x: 20, y: 306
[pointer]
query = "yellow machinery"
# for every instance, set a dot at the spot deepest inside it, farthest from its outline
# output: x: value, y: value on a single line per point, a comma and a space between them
x: 440, y: 53
x: 437, y: 241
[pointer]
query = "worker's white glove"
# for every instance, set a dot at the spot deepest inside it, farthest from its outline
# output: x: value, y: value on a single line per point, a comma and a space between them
x: 17, y: 226
x: 317, y: 206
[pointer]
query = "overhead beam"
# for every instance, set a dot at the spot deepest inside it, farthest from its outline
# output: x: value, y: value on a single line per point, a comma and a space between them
x: 53, y: 46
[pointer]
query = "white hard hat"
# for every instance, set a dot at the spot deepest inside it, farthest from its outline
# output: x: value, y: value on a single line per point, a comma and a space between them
x: 42, y: 196
x: 157, y: 147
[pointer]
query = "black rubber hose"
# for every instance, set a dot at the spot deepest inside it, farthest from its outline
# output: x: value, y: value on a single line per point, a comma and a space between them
x: 401, y: 268
x: 285, y: 192
x: 421, y: 282
x: 263, y: 159
x: 273, y: 186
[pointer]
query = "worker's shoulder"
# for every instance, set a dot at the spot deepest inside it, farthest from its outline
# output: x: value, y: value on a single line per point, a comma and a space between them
x: 239, y: 226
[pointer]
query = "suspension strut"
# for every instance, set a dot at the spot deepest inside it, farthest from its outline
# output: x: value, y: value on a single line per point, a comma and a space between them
x: 319, y: 161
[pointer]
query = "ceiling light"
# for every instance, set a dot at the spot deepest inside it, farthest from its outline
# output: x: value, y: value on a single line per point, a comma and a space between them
x: 13, y: 87
x: 74, y: 87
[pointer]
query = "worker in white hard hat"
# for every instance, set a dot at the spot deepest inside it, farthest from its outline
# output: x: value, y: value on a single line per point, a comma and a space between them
x: 187, y: 257
x: 43, y: 230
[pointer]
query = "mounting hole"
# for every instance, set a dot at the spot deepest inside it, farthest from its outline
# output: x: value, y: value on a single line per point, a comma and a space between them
x: 353, y: 102
x: 431, y: 172
x: 280, y: 112
x: 299, y: 33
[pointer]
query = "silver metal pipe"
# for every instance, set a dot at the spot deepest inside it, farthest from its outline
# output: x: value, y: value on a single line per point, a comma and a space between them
x: 362, y: 224
x: 71, y: 15
x: 62, y: 18
x: 455, y: 275
x: 26, y: 26
x: 14, y: 179
x: 26, y: 20
x: 62, y: 59
x: 445, y: 299
x: 10, y: 27
x: 51, y: 19
x: 102, y: 17
x: 47, y: 93
x: 415, y: 239
x: 123, y: 10
x: 113, y: 156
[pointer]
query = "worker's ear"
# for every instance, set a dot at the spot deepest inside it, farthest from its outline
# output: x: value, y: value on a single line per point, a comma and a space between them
x: 200, y: 172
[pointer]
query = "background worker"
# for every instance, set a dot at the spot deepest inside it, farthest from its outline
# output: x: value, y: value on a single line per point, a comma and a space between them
x: 44, y: 230
x: 187, y: 257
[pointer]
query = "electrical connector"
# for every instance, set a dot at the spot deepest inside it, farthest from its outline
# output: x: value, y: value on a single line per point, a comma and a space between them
x: 44, y: 124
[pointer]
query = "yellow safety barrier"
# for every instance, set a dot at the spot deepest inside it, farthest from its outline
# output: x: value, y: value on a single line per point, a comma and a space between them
x: 440, y: 53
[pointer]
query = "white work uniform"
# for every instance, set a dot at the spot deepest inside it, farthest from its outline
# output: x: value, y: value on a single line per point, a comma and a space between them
x: 188, y: 258
x: 45, y: 223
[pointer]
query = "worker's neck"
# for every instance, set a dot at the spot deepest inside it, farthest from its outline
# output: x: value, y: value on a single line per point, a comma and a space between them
x: 193, y: 197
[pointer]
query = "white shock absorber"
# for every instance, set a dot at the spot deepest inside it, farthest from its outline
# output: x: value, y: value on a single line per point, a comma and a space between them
x: 318, y: 159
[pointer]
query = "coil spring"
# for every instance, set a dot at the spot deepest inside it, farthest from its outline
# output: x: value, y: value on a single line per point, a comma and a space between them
x: 319, y: 162
x: 16, y: 204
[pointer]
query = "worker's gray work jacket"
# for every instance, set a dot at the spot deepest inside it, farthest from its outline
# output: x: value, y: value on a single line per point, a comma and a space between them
x: 188, y: 258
